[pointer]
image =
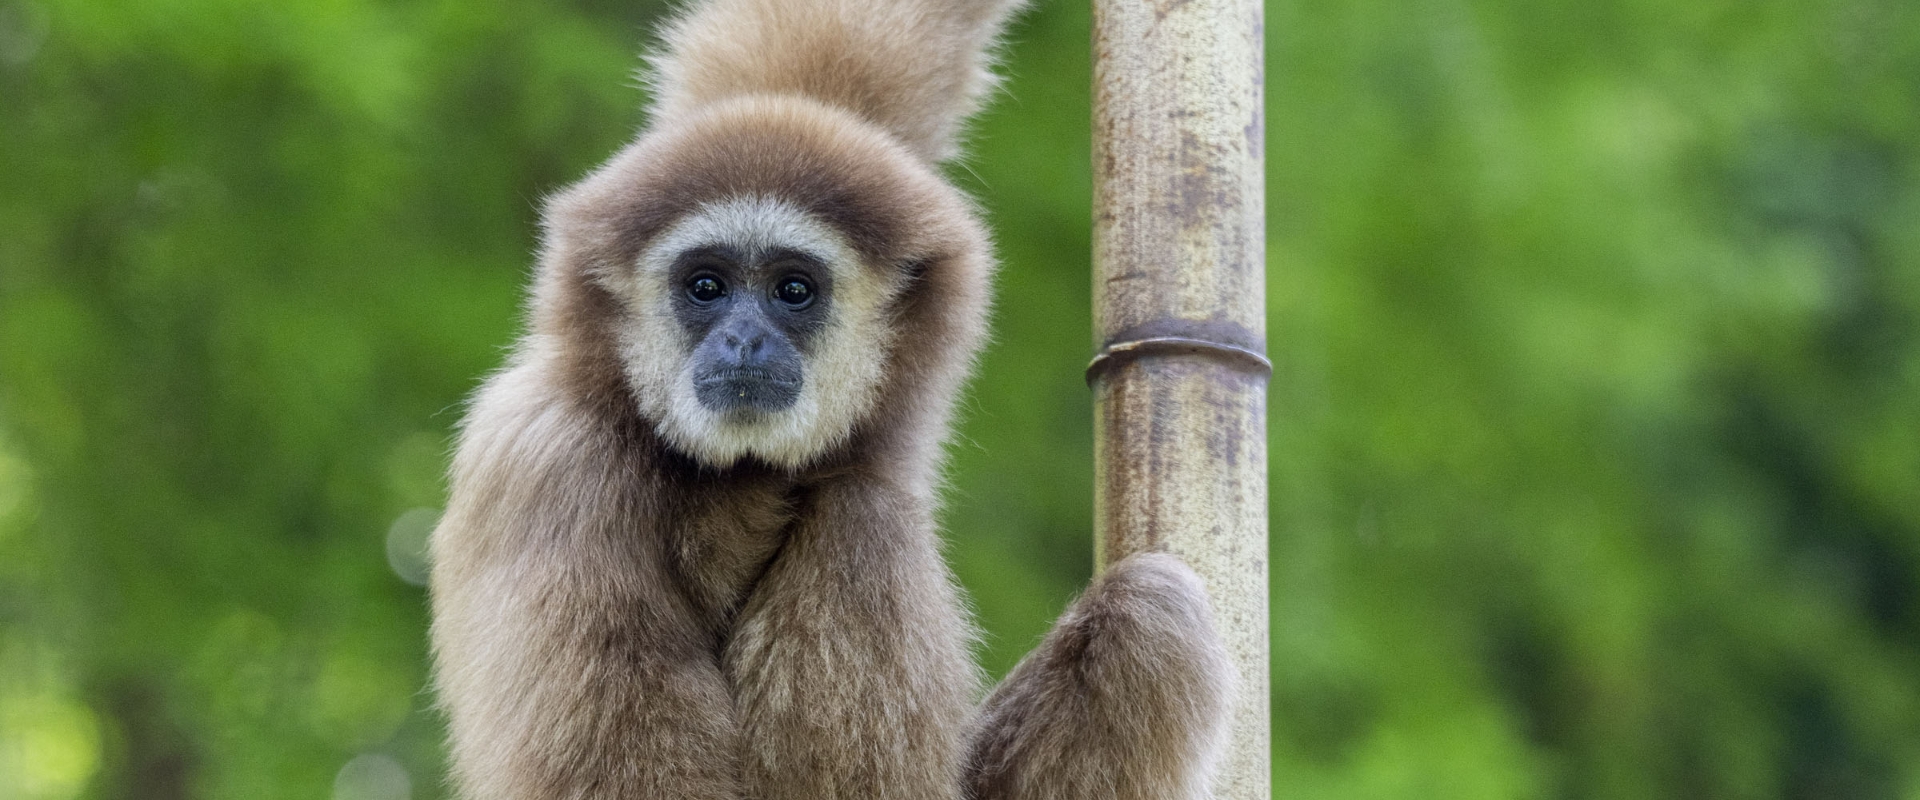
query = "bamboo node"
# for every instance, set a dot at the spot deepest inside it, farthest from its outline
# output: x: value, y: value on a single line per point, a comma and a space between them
x: 1236, y: 356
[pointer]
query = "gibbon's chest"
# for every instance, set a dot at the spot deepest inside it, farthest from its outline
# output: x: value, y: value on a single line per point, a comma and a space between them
x: 723, y: 544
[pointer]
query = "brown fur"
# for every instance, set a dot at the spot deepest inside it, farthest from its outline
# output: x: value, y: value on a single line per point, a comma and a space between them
x: 917, y: 69
x: 1125, y: 700
x: 615, y: 618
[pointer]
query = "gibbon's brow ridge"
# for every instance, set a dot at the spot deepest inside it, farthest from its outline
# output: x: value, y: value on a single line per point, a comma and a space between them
x: 749, y: 227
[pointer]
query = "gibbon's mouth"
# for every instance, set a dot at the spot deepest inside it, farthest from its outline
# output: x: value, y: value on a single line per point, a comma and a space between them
x: 750, y: 390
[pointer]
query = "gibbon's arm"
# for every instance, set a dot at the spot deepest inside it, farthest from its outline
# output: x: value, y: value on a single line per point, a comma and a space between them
x: 1126, y: 699
x: 851, y: 662
x: 917, y: 68
x: 568, y: 666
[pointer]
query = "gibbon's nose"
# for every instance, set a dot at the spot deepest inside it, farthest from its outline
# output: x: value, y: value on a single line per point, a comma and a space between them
x: 748, y: 344
x: 746, y: 341
x: 746, y: 364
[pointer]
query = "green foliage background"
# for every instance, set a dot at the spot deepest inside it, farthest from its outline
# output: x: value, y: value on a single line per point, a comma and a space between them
x: 1595, y: 423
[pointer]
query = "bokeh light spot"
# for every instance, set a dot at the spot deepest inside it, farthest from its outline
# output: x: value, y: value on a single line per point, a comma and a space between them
x: 358, y: 700
x: 49, y: 747
x: 372, y: 776
x: 407, y: 544
x: 23, y: 28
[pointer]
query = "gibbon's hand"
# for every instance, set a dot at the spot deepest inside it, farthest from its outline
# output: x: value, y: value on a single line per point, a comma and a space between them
x: 1126, y: 698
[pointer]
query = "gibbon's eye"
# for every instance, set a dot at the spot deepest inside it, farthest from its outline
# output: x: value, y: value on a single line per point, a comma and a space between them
x: 796, y: 292
x: 705, y: 289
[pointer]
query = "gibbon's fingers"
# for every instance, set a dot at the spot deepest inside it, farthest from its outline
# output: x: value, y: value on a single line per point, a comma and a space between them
x: 1124, y: 700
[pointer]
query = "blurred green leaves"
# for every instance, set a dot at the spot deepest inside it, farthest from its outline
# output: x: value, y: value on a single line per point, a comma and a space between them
x: 1595, y: 424
x: 1589, y: 318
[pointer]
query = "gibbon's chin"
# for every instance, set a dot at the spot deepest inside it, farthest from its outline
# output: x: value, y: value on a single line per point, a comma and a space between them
x: 789, y: 437
x: 748, y: 427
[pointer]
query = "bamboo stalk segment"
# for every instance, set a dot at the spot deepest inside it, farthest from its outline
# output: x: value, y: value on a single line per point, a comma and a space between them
x: 1180, y: 376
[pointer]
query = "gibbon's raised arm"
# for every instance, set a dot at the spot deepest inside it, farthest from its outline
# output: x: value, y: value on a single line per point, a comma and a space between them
x: 916, y: 68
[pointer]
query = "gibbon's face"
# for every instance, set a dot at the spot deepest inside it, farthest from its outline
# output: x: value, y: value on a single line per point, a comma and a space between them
x: 754, y: 329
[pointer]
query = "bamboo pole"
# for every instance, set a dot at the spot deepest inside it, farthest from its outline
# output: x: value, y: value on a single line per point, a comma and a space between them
x: 1180, y: 378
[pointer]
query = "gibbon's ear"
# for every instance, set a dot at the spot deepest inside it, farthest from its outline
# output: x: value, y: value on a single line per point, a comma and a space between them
x: 916, y: 69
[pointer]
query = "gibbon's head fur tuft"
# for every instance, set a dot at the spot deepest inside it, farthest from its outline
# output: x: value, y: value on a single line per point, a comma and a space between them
x: 669, y: 278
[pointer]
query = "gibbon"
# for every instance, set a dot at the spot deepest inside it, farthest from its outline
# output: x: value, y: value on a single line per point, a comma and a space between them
x: 690, y: 551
